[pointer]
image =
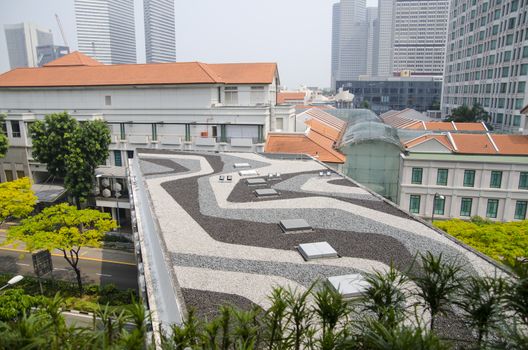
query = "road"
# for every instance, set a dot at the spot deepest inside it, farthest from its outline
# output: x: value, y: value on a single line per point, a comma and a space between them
x: 100, y: 266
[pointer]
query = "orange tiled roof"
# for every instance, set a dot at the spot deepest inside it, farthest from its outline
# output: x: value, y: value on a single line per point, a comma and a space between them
x: 77, y: 69
x: 285, y: 96
x: 312, y: 143
x: 397, y: 120
x: 471, y: 126
x: 323, y: 129
x: 326, y: 118
x: 478, y: 143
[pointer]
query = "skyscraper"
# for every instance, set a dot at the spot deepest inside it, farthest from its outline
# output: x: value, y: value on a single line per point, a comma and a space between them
x: 160, y: 39
x: 487, y: 60
x: 420, y: 28
x: 349, y: 58
x: 372, y: 41
x: 106, y: 30
x: 22, y: 40
x: 385, y: 37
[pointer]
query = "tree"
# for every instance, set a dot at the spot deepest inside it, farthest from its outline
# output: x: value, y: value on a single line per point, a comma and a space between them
x: 17, y: 200
x: 88, y: 149
x: 65, y: 228
x: 469, y: 114
x: 71, y: 150
x: 365, y: 104
x: 4, y: 142
x: 51, y: 141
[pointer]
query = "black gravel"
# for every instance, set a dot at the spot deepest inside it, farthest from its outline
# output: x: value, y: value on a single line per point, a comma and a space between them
x: 343, y: 182
x: 371, y: 246
x: 207, y: 304
x: 242, y: 193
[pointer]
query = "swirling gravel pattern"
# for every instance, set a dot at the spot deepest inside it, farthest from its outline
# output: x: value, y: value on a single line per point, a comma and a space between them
x: 303, y: 274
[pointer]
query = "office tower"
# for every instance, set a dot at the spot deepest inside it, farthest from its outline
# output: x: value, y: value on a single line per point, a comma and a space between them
x: 336, y: 17
x: 420, y: 28
x: 160, y: 37
x: 352, y: 32
x: 487, y: 60
x: 385, y: 36
x: 48, y: 53
x: 106, y: 30
x: 22, y: 40
x: 372, y: 39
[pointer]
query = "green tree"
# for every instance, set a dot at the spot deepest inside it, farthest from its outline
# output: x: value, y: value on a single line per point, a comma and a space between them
x: 468, y: 114
x: 71, y: 150
x: 65, y: 228
x: 17, y: 200
x: 4, y: 142
x: 364, y: 104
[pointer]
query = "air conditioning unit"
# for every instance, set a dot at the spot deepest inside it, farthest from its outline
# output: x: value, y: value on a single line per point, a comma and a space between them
x: 204, y: 134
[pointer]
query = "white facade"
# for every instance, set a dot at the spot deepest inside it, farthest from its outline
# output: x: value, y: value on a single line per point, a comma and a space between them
x: 460, y: 198
x: 199, y: 117
x: 106, y: 30
x: 487, y: 60
x: 160, y: 36
x: 420, y: 30
x: 22, y: 41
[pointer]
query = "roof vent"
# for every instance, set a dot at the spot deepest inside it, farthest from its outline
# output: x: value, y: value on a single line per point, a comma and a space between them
x: 242, y: 165
x: 295, y: 226
x: 266, y: 192
x: 247, y: 172
x: 256, y: 181
x: 318, y: 250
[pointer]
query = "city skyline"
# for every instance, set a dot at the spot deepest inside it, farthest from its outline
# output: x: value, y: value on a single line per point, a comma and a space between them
x: 194, y: 41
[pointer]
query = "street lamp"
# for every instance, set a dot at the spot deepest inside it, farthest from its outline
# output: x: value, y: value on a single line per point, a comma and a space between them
x: 117, y: 195
x: 12, y: 281
x: 437, y: 195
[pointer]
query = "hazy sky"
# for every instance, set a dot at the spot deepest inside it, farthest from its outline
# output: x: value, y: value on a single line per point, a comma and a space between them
x: 294, y: 33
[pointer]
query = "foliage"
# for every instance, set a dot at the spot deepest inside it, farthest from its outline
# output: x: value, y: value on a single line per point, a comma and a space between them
x: 364, y: 104
x: 469, y: 114
x: 17, y: 200
x: 65, y: 228
x: 437, y: 283
x: 502, y: 241
x: 71, y: 150
x: 14, y: 303
x: 4, y: 142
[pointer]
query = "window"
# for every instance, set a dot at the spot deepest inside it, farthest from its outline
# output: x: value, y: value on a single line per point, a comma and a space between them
x: 279, y: 123
x: 439, y: 205
x: 117, y: 158
x: 492, y: 208
x: 507, y: 56
x: 414, y: 204
x: 496, y: 179
x: 441, y: 177
x: 524, y: 67
x: 108, y: 100
x: 523, y: 181
x: 505, y: 72
x: 122, y: 131
x: 520, y: 210
x: 519, y: 103
x: 20, y: 174
x: 465, y: 206
x: 417, y: 176
x: 469, y: 178
x: 525, y: 52
x: 9, y: 175
x: 521, y: 86
x: 509, y: 39
x: 257, y: 95
x: 15, y: 128
x: 154, y: 132
x: 130, y: 154
x: 231, y: 95
x: 516, y: 120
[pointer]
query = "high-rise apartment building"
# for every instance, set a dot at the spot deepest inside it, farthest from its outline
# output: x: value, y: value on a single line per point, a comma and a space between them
x: 349, y: 58
x: 336, y: 18
x: 106, y: 30
x: 420, y: 29
x: 385, y: 37
x: 487, y: 60
x: 22, y: 40
x: 160, y: 36
x: 372, y: 39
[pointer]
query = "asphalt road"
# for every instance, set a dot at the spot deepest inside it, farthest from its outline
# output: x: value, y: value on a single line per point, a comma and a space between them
x: 107, y: 266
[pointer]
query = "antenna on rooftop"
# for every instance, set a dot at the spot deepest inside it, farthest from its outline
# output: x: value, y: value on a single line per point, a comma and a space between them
x: 61, y: 30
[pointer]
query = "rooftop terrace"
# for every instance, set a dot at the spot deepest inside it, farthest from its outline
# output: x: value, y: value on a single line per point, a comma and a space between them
x: 224, y: 243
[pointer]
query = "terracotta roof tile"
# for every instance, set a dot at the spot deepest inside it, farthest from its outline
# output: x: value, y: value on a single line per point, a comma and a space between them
x: 473, y: 144
x: 442, y: 138
x: 323, y: 129
x: 313, y: 144
x: 79, y: 70
x: 471, y: 127
x: 284, y: 96
x: 511, y: 144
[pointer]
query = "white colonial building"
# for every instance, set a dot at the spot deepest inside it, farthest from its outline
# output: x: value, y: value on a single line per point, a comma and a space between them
x: 464, y: 175
x: 180, y: 106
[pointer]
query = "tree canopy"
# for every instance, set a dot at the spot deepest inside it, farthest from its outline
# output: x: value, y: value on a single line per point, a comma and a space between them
x: 468, y: 114
x: 65, y: 228
x: 17, y: 200
x: 502, y: 241
x: 71, y: 150
x: 4, y: 142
